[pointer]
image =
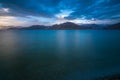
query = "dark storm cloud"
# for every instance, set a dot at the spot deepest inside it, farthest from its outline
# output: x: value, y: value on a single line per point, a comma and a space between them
x: 99, y: 9
x: 41, y: 7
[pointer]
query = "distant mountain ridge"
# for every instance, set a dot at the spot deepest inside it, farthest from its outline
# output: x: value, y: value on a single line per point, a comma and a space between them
x: 35, y: 27
x: 115, y: 26
x: 68, y: 26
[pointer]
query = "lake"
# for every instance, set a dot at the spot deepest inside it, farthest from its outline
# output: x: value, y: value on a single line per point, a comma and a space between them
x: 59, y: 54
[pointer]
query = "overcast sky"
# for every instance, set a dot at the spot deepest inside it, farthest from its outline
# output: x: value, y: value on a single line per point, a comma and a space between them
x: 49, y: 12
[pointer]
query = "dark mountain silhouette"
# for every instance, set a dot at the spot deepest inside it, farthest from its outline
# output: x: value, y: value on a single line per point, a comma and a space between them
x: 110, y: 77
x: 114, y: 26
x: 92, y: 26
x: 15, y: 28
x: 35, y: 27
x: 69, y: 26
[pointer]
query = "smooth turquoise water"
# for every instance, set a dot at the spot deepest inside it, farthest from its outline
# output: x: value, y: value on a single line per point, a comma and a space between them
x: 59, y: 54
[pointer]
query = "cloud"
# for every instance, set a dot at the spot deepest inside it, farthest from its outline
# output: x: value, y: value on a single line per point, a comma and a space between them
x: 57, y: 11
x: 63, y: 14
x: 42, y: 7
x: 49, y: 8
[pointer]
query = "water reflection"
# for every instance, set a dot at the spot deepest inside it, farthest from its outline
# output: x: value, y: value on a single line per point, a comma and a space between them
x: 77, y: 38
x: 61, y: 39
x: 58, y: 55
x: 8, y: 43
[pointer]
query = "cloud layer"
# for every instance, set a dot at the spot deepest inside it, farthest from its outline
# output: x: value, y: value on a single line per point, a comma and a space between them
x: 56, y: 11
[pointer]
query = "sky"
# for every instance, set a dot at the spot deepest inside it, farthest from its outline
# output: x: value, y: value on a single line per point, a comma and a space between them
x: 50, y: 12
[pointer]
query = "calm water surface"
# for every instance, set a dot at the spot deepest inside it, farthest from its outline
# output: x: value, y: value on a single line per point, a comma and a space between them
x: 59, y: 54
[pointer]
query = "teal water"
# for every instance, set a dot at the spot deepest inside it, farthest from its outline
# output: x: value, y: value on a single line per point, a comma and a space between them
x: 59, y: 54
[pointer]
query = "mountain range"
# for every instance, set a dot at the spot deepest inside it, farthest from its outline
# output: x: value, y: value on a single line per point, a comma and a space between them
x: 68, y: 26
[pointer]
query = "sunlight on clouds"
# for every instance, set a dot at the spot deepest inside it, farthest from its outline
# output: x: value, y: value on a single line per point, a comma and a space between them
x: 92, y: 21
x: 63, y: 14
x: 80, y: 21
x: 60, y: 17
x: 6, y: 9
x: 13, y: 21
x: 6, y: 20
